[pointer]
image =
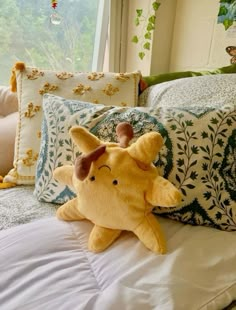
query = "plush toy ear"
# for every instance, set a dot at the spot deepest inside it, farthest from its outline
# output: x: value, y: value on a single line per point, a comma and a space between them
x: 86, y: 141
x: 64, y: 174
x: 83, y: 162
x: 146, y: 148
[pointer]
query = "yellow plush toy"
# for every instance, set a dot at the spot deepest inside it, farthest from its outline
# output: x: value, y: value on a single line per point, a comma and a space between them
x: 117, y: 187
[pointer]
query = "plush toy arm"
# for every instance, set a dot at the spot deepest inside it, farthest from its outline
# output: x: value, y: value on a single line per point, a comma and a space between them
x: 150, y: 234
x: 101, y: 238
x: 163, y: 193
x: 69, y: 211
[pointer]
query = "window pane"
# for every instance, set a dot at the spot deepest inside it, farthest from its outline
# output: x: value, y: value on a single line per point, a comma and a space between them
x: 27, y: 34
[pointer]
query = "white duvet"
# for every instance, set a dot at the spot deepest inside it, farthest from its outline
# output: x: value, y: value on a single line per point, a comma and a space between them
x: 46, y: 265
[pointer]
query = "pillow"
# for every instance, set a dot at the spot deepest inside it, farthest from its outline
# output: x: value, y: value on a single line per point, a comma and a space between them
x: 7, y: 141
x: 31, y: 83
x: 165, y: 77
x: 8, y: 101
x: 8, y: 121
x: 57, y: 149
x: 198, y: 156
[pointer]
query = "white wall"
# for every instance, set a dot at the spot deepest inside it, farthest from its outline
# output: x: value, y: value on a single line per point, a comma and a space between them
x: 198, y: 41
x: 187, y: 37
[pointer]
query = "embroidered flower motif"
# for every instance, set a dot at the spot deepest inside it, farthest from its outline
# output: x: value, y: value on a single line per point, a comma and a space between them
x: 124, y: 104
x: 94, y: 76
x: 47, y: 87
x: 32, y: 110
x: 81, y: 89
x: 39, y: 134
x: 110, y: 90
x: 30, y: 158
x: 123, y: 77
x: 35, y: 74
x: 64, y: 75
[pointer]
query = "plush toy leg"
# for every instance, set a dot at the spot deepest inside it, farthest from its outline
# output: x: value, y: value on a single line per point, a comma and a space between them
x: 69, y: 211
x: 149, y: 232
x: 101, y: 238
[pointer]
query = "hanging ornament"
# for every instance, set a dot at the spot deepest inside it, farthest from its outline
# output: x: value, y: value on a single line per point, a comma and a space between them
x: 54, y: 4
x: 55, y: 18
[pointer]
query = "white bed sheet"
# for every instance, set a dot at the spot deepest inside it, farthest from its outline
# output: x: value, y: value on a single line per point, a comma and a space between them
x: 46, y: 265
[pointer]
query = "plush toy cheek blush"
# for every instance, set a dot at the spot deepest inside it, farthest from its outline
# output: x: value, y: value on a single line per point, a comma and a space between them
x: 117, y: 187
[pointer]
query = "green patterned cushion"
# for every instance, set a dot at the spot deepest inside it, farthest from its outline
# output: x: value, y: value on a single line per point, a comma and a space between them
x: 197, y: 119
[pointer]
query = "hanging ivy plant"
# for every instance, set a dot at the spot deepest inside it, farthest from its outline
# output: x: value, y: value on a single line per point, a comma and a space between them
x: 147, y: 25
x: 227, y: 13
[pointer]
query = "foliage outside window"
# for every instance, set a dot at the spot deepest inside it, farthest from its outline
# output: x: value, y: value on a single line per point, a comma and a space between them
x: 227, y: 13
x: 26, y: 34
x: 145, y: 26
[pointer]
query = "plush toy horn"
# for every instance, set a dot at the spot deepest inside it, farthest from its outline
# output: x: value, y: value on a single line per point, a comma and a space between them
x: 83, y: 162
x: 124, y: 132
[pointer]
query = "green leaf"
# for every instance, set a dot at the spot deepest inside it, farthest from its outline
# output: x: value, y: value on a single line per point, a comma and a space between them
x: 156, y: 5
x: 193, y: 175
x: 180, y: 162
x: 218, y: 216
x: 194, y: 149
x: 135, y: 39
x: 189, y: 123
x: 215, y: 165
x: 139, y: 12
x: 204, y: 134
x: 193, y: 163
x: 220, y: 142
x: 227, y: 1
x: 177, y: 178
x: 180, y: 146
x: 214, y: 120
x: 190, y: 186
x: 150, y: 27
x: 211, y: 128
x: 227, y: 23
x: 181, y: 139
x: 183, y: 192
x: 146, y: 46
x: 223, y: 10
x: 141, y: 55
x: 148, y: 35
x: 227, y: 202
x: 152, y: 19
x: 136, y: 21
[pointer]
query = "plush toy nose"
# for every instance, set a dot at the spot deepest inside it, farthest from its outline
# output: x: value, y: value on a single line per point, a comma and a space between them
x: 83, y: 162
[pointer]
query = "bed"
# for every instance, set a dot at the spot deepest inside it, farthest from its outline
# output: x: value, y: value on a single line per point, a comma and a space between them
x: 45, y: 262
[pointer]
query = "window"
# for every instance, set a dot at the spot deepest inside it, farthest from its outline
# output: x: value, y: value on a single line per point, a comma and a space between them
x: 28, y: 34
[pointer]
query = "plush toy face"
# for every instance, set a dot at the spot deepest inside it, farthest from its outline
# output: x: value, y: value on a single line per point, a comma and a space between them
x: 117, y: 187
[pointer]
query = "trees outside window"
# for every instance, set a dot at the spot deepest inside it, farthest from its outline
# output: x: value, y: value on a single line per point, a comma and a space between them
x: 28, y: 35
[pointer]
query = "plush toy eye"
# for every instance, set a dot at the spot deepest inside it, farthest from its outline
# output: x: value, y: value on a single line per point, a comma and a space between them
x: 115, y: 182
x: 92, y: 178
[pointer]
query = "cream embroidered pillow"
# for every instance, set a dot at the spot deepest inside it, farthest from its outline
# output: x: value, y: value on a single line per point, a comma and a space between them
x: 120, y: 89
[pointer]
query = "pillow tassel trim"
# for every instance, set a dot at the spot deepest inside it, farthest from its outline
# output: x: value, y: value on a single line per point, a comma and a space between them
x: 4, y: 185
x: 18, y: 66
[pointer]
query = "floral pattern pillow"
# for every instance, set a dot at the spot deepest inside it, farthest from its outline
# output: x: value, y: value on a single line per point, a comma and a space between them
x: 198, y: 155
